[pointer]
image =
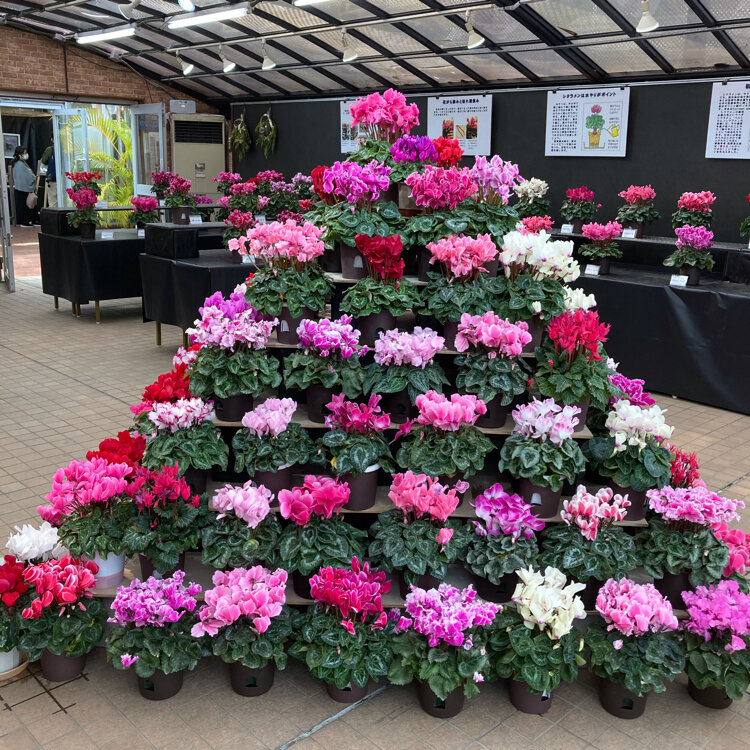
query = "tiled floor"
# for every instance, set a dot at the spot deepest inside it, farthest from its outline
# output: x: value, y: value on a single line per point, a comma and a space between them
x: 66, y: 383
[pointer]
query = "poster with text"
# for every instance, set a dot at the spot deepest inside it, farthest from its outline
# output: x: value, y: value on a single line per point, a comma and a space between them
x: 587, y: 122
x: 467, y: 118
x: 729, y: 121
x: 349, y: 135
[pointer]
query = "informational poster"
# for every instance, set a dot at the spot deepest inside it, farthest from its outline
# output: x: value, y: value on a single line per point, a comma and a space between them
x: 729, y: 121
x: 587, y: 122
x: 349, y: 135
x: 467, y: 118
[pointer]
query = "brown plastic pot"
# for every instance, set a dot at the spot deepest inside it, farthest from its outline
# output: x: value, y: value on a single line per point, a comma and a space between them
x: 491, y: 267
x: 278, y: 480
x: 181, y: 215
x: 450, y: 331
x: 60, y: 668
x: 236, y: 257
x: 526, y: 701
x: 604, y: 266
x: 536, y: 331
x: 317, y: 398
x: 197, y: 479
x: 441, y: 709
x: 672, y: 586
x: 577, y: 225
x: 617, y: 700
x: 371, y: 325
x: 87, y: 231
x: 710, y: 697
x: 496, y: 413
x: 637, y: 225
x: 544, y: 501
x: 350, y: 694
x: 148, y: 569
x: 424, y: 265
x: 398, y: 405
x: 160, y: 686
x: 353, y: 264
x: 425, y: 581
x: 637, y: 498
x: 693, y: 274
x: 233, y: 408
x: 584, y: 407
x: 301, y: 585
x: 497, y: 593
x: 251, y: 682
x: 286, y: 332
x: 589, y: 594
x: 331, y: 261
x: 362, y: 488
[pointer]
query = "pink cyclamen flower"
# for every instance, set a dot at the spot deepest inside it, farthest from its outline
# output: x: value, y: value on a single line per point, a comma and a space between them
x: 505, y: 514
x: 421, y: 495
x: 367, y: 419
x: 248, y: 502
x: 696, y: 505
x: 463, y: 256
x: 271, y: 417
x: 441, y: 188
x: 444, y: 536
x: 719, y: 611
x: 318, y: 497
x: 493, y: 334
x: 127, y: 660
x: 593, y: 512
x: 698, y: 238
x: 545, y: 420
x: 416, y: 349
x: 449, y: 414
x: 634, y: 609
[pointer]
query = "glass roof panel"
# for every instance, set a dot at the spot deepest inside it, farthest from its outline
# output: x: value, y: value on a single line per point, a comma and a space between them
x: 333, y: 39
x: 726, y: 10
x: 546, y: 64
x: 741, y: 38
x: 499, y: 26
x: 393, y: 72
x: 352, y: 75
x: 300, y: 18
x: 391, y: 38
x: 316, y: 78
x: 693, y: 50
x: 249, y: 82
x: 440, y: 70
x: 257, y: 25
x: 622, y: 57
x: 305, y: 48
x: 492, y: 68
x: 283, y: 81
x: 667, y: 12
x: 578, y: 16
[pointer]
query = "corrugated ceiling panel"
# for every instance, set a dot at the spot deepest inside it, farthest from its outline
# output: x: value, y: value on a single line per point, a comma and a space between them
x: 391, y: 38
x: 307, y: 49
x: 546, y: 64
x: 741, y: 37
x: 284, y: 82
x: 579, y: 16
x: 499, y: 26
x: 394, y: 73
x: 341, y: 10
x: 623, y: 57
x: 693, y: 51
x: 492, y: 68
x: 354, y: 76
x: 667, y: 12
x: 333, y: 39
x: 727, y: 10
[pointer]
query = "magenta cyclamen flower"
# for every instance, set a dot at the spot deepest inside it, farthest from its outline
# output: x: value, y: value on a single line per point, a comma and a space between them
x: 414, y: 148
x: 248, y: 502
x: 449, y: 414
x: 271, y: 417
x: 425, y: 496
x: 545, y: 420
x: 244, y: 329
x: 495, y: 178
x: 633, y: 390
x: 416, y: 349
x: 283, y: 241
x: 719, y: 611
x: 441, y: 188
x: 181, y: 415
x: 352, y: 417
x: 638, y: 194
x: 463, y: 255
x: 327, y: 338
x: 696, y: 504
x: 698, y: 238
x: 591, y: 512
x: 127, y: 660
x: 387, y: 112
x: 634, y: 609
x: 145, y: 204
x: 498, y: 336
x: 357, y: 184
x: 505, y: 514
x: 602, y: 232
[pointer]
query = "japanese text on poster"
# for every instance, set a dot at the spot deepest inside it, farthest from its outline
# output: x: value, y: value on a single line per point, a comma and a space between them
x: 349, y: 135
x: 467, y: 118
x: 729, y: 121
x: 587, y: 122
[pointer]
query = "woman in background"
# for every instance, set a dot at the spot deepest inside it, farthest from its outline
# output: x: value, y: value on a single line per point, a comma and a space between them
x: 24, y: 184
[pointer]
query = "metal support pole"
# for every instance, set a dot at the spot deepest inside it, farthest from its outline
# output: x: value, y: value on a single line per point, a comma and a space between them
x: 185, y: 341
x: 57, y: 303
x: 97, y: 311
x: 158, y: 333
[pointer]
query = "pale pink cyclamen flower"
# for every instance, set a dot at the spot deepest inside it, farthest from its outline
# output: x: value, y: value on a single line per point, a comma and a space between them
x: 271, y: 417
x: 248, y: 502
x: 495, y: 335
x: 449, y: 414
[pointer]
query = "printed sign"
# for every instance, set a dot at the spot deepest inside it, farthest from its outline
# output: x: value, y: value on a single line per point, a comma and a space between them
x: 349, y: 135
x: 466, y: 118
x: 729, y: 121
x: 677, y: 279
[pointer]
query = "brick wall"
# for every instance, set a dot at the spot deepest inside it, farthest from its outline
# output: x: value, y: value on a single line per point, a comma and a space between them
x: 33, y: 64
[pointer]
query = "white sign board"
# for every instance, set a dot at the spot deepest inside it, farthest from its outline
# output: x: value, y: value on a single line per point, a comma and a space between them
x: 466, y: 118
x: 587, y: 122
x: 349, y: 135
x: 729, y: 121
x: 678, y: 280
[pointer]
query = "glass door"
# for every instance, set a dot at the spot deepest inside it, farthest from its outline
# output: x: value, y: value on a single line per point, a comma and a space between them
x: 149, y: 145
x: 5, y: 237
x: 72, y: 147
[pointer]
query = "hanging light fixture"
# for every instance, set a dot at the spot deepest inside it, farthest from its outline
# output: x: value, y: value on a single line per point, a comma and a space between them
x: 647, y: 22
x: 214, y: 16
x: 187, y: 67
x: 227, y: 66
x: 475, y: 39
x: 268, y: 62
x: 126, y: 9
x: 92, y: 37
x: 349, y: 54
x: 186, y: 5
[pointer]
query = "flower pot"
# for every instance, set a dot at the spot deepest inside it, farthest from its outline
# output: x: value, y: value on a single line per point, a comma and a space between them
x: 638, y: 502
x: 233, y: 408
x: 497, y: 593
x: 317, y: 398
x: 577, y: 225
x: 491, y: 267
x: 693, y: 274
x: 536, y: 331
x: 594, y: 137
x: 544, y: 501
x: 362, y: 488
x: 604, y: 264
x: 425, y: 581
x: 524, y: 700
x: 87, y: 231
x: 672, y: 586
x: 371, y: 325
x: 160, y: 686
x: 424, y: 265
x: 181, y: 215
x: 450, y: 331
x: 589, y: 594
x: 196, y: 478
x: 405, y: 201
x: 236, y: 257
x: 441, y: 709
x: 398, y: 405
x: 111, y: 570
x: 251, y: 682
x: 710, y: 697
x: 391, y: 194
x: 350, y: 694
x: 353, y: 264
x: 9, y: 660
x: 331, y: 261
x: 278, y: 480
x: 286, y: 333
x: 584, y: 407
x: 60, y: 668
x: 619, y: 701
x: 148, y: 569
x: 301, y: 585
x: 496, y: 413
x: 637, y: 225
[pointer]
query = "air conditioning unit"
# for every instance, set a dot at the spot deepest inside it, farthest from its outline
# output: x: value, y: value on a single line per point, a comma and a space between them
x: 198, y: 150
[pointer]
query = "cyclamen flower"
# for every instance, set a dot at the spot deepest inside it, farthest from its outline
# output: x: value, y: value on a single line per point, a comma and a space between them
x: 356, y: 184
x: 441, y: 188
x: 719, y: 611
x: 318, y: 496
x: 243, y: 331
x: 243, y: 188
x: 694, y: 505
x: 537, y: 224
x: 386, y: 113
x: 38, y: 543
x: 414, y: 148
x: 271, y: 417
x: 442, y: 413
x: 267, y: 175
x: 256, y: 594
x: 144, y: 204
x: 449, y: 152
x: 161, y: 178
x: 231, y: 306
x: 187, y: 356
x: 152, y: 488
x: 287, y: 215
x: 327, y: 338
x: 699, y: 238
x: 425, y: 496
x: 248, y: 502
x: 697, y: 201
x: 577, y: 299
x: 505, y: 514
x: 444, y: 536
x: 494, y: 178
x: 463, y: 255
x: 684, y: 468
x: 632, y: 390
x: 178, y: 186
x: 530, y: 190
x: 169, y: 386
x: 602, y: 234
x: 416, y: 349
x: 638, y: 194
x: 12, y: 583
x: 545, y: 420
x: 59, y: 584
x: 126, y: 448
x: 83, y: 198
x: 496, y: 335
x: 278, y: 242
x: 738, y: 543
x: 230, y: 177
x: 594, y: 512
x: 127, y: 660
x: 576, y: 195
x: 181, y: 415
x: 634, y: 425
x: 535, y: 254
x: 578, y: 333
x: 634, y: 609
x: 240, y: 220
x: 383, y: 255
x: 349, y: 416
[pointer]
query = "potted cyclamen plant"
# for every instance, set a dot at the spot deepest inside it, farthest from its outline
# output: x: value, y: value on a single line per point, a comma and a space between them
x: 579, y: 205
x: 418, y: 538
x: 572, y: 371
x: 384, y: 295
x: 357, y: 447
x: 270, y: 444
x: 404, y: 368
x: 88, y: 505
x: 247, y: 625
x: 384, y: 117
x: 638, y: 209
x: 716, y: 638
x: 694, y: 209
x: 445, y: 442
x: 232, y: 365
x: 601, y: 245
x: 179, y: 200
x: 344, y: 639
x: 85, y: 217
x: 14, y: 598
x: 145, y: 211
x: 238, y: 223
x: 692, y: 252
x: 35, y: 544
x: 595, y: 124
x: 537, y: 224
x: 163, y: 520
x: 160, y: 182
x: 588, y: 546
x: 680, y: 549
x: 531, y: 200
x: 541, y: 454
x: 441, y: 642
x: 738, y: 544
x: 634, y: 647
x: 493, y: 370
x: 317, y: 536
x: 152, y: 623
x: 409, y: 154
x: 631, y: 456
x: 58, y: 626
x: 534, y: 644
x: 501, y: 545
x: 183, y: 433
x: 290, y: 286
x: 328, y: 359
x: 243, y: 531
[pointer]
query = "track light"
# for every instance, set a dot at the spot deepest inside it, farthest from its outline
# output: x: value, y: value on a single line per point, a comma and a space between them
x: 200, y: 19
x: 268, y: 62
x: 303, y: 3
x: 647, y: 22
x: 127, y: 8
x: 187, y: 67
x: 227, y: 65
x: 475, y: 40
x: 92, y: 37
x: 186, y: 5
x: 349, y: 54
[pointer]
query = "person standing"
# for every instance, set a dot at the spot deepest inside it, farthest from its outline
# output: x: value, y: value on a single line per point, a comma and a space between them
x: 24, y: 188
x: 50, y: 180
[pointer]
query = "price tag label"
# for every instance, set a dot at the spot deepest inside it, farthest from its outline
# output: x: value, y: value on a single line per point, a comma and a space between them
x: 247, y: 259
x: 141, y: 233
x: 591, y: 270
x: 566, y: 229
x: 102, y: 204
x: 108, y: 235
x: 628, y: 234
x: 162, y: 202
x: 677, y: 279
x: 196, y: 219
x: 261, y: 219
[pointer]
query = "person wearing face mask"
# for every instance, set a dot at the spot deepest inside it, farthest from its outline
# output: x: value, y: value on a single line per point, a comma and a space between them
x: 24, y: 187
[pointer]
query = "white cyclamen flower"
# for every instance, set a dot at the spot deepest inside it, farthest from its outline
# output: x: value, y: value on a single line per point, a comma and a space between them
x: 35, y: 543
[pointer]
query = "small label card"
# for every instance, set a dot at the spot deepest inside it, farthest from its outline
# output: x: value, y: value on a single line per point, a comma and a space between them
x: 108, y: 235
x: 141, y: 233
x: 162, y: 202
x: 102, y: 204
x: 628, y: 233
x: 677, y: 279
x: 566, y: 229
x: 260, y: 219
x: 196, y: 219
x: 591, y: 270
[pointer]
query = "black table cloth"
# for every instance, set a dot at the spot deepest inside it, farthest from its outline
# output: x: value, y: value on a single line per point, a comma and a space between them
x: 179, y: 241
x: 688, y: 342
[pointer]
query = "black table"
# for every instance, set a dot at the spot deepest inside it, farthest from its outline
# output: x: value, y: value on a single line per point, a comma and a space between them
x: 81, y: 270
x: 173, y: 290
x: 180, y: 241
x: 689, y: 342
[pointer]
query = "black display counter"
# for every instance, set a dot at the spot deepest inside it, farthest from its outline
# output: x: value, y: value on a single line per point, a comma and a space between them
x: 688, y: 342
x: 178, y: 241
